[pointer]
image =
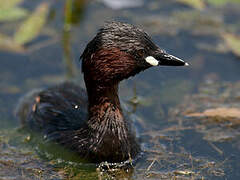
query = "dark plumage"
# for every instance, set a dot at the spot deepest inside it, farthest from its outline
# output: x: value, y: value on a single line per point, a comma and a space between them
x: 92, y: 123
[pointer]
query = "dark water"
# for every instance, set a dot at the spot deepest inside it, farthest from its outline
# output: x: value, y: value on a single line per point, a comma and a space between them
x: 176, y: 146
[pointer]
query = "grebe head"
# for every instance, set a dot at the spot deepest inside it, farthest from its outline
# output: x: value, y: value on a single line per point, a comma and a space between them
x: 120, y: 50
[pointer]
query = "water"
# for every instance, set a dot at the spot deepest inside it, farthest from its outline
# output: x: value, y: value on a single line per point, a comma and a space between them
x: 175, y: 145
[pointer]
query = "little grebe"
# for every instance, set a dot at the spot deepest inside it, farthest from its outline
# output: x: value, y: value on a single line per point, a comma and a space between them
x: 92, y: 123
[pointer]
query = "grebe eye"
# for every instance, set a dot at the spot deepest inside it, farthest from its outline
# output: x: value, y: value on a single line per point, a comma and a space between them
x: 141, y: 53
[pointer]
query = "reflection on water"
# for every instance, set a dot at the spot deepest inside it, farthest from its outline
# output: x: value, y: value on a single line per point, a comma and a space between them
x: 181, y: 140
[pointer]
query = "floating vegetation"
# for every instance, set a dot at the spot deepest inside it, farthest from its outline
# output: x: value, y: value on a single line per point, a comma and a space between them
x: 192, y: 21
x: 198, y: 23
x: 197, y: 4
x: 179, y: 165
x: 221, y: 112
x: 217, y: 107
x: 219, y: 3
x: 18, y: 162
x: 201, y: 4
x: 233, y: 42
x: 156, y: 162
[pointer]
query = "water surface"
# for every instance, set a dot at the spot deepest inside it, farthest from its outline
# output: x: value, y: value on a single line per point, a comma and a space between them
x: 175, y: 144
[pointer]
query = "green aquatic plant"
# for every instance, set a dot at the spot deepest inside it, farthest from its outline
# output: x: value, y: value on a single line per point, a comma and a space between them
x: 32, y: 26
x: 9, y: 10
x: 201, y: 4
x: 27, y: 30
x: 197, y: 4
x: 12, y: 14
x: 221, y: 2
x: 233, y: 42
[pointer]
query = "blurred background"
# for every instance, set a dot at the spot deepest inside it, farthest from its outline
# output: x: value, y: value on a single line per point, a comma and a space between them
x: 192, y: 114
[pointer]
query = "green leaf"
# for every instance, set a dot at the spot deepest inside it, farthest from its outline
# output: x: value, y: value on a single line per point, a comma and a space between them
x: 32, y: 27
x: 233, y: 42
x: 12, y: 14
x: 197, y: 4
x: 221, y: 2
x: 7, y: 4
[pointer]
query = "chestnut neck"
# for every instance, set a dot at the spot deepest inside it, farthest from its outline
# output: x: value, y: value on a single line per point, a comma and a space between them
x: 103, y: 70
x: 103, y: 103
x: 98, y: 95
